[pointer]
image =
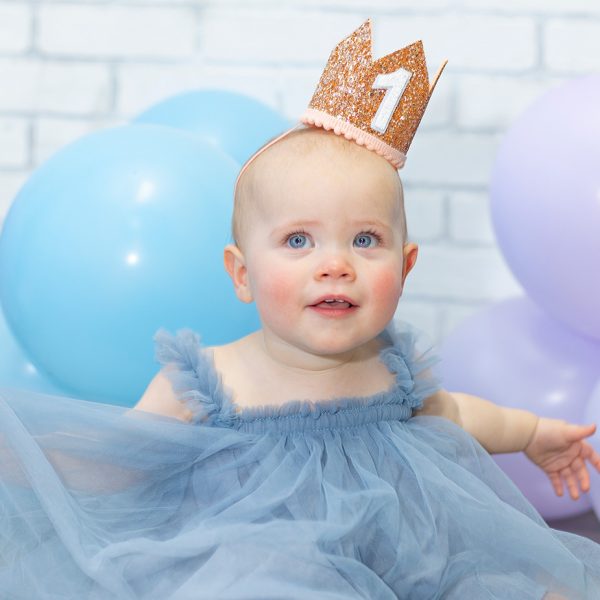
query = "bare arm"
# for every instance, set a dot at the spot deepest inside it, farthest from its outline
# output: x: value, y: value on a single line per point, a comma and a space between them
x: 161, y: 399
x: 496, y: 428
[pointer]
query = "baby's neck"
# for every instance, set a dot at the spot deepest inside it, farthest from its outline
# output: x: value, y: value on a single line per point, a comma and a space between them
x: 293, y: 361
x: 290, y: 371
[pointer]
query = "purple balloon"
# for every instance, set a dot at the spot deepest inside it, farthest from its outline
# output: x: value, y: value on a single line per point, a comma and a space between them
x: 545, y: 202
x: 514, y: 355
x: 592, y: 415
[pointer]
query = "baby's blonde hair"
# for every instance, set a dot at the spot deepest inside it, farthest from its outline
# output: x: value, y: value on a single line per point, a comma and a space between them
x: 247, y: 199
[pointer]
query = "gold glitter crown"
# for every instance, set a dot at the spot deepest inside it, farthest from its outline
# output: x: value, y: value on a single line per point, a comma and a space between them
x: 378, y: 104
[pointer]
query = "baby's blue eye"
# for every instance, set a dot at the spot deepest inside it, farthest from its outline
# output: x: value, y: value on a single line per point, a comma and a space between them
x: 297, y: 240
x: 366, y: 240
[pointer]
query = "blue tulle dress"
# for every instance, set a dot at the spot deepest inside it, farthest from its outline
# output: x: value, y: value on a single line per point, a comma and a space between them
x: 338, y: 499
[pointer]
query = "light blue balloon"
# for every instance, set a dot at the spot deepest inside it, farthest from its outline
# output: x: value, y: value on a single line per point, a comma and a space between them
x: 116, y: 235
x: 16, y: 370
x: 236, y: 123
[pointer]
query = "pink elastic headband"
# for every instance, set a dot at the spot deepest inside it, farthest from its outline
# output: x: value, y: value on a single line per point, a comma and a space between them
x: 261, y: 150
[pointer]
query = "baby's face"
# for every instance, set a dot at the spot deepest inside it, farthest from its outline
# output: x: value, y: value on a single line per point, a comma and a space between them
x: 328, y: 226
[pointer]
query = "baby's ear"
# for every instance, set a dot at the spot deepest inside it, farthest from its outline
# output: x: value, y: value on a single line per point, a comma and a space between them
x: 410, y: 258
x: 235, y: 265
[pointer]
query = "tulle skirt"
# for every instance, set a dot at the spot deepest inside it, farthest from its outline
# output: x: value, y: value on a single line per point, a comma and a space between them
x: 103, y: 502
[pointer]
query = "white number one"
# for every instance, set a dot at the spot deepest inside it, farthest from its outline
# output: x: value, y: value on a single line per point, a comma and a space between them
x: 395, y: 84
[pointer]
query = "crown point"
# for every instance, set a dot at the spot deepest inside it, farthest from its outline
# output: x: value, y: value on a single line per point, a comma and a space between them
x: 364, y: 29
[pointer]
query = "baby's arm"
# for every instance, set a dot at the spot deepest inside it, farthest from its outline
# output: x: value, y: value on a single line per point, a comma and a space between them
x: 554, y: 445
x: 160, y: 398
x: 496, y: 428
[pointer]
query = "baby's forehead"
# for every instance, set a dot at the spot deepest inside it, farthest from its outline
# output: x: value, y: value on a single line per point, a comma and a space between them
x: 315, y: 155
x: 313, y: 142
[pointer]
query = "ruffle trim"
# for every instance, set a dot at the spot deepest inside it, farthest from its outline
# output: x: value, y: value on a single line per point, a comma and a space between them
x: 312, y: 116
x: 194, y: 377
x: 411, y: 356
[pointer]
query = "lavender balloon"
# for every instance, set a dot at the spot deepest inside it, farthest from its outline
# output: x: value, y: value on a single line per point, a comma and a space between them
x: 513, y: 354
x: 592, y: 415
x: 545, y: 202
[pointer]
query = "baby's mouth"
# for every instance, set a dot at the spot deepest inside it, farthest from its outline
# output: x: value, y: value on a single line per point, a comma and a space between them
x: 335, y: 304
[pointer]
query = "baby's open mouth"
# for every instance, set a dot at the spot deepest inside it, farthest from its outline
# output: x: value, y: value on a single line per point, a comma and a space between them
x: 334, y: 304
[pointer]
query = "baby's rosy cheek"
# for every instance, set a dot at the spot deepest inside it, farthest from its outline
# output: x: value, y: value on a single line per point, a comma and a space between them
x: 386, y: 285
x: 280, y: 289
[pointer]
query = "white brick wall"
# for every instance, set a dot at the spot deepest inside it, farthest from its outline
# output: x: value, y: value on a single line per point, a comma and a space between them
x: 14, y: 149
x: 140, y: 86
x: 15, y: 27
x: 109, y: 31
x: 274, y: 36
x: 572, y: 46
x: 68, y: 67
x: 492, y: 102
x: 37, y: 85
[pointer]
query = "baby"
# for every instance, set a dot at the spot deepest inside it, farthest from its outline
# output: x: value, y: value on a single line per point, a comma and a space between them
x: 321, y: 246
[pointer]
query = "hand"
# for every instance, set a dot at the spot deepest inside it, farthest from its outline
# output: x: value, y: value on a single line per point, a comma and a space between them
x: 559, y: 449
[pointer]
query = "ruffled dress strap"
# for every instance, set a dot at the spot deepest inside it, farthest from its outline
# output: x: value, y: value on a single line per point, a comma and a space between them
x: 190, y: 372
x: 410, y: 354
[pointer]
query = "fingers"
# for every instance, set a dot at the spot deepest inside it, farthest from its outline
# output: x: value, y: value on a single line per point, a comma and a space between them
x: 573, y: 475
x: 591, y: 429
x: 588, y: 453
x: 582, y: 474
x: 556, y: 482
x: 568, y: 476
x: 578, y: 432
x: 593, y: 457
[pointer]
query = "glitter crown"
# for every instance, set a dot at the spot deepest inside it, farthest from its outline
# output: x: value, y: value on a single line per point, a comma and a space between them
x: 378, y: 104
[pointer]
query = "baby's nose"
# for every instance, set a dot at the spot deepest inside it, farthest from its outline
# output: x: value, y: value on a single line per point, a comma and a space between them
x: 336, y: 265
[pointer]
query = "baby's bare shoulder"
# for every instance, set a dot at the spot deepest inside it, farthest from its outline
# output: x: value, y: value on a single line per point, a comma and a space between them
x: 441, y: 404
x: 160, y: 398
